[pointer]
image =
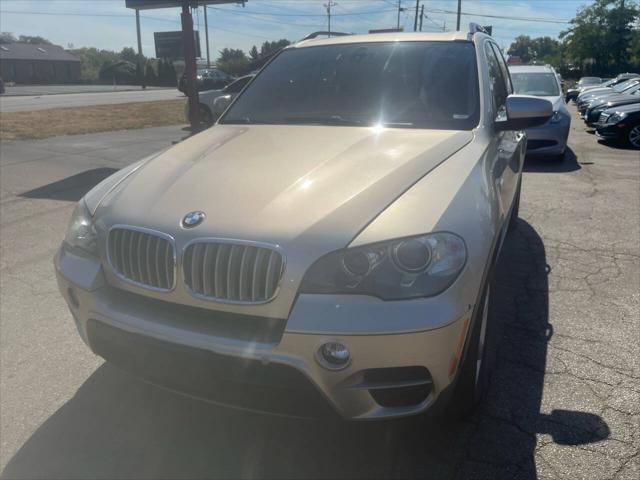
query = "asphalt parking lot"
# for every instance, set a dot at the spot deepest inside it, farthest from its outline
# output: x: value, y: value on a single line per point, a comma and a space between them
x: 564, y: 401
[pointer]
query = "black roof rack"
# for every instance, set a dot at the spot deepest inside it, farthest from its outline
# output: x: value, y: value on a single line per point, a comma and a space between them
x: 329, y: 34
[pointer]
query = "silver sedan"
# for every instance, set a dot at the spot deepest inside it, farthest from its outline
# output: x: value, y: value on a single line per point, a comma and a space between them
x: 548, y: 140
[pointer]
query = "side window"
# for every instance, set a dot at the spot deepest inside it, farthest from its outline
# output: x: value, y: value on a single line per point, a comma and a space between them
x: 503, y: 67
x: 235, y: 87
x: 496, y: 83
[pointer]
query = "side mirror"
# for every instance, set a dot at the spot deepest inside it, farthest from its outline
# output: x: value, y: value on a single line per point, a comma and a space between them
x: 220, y: 104
x: 525, y: 112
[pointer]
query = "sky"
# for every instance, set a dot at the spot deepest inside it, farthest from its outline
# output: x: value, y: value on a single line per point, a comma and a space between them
x: 108, y: 24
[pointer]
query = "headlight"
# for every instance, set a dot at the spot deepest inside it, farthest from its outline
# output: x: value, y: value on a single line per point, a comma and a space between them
x: 556, y: 117
x: 81, y: 232
x: 616, y: 117
x: 420, y: 266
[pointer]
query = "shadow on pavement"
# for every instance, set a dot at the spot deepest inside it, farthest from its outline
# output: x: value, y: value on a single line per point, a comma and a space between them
x: 72, y: 188
x: 569, y: 163
x: 618, y: 145
x: 117, y: 426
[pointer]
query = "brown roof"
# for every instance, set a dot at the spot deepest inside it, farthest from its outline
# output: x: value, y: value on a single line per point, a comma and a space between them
x: 31, y: 51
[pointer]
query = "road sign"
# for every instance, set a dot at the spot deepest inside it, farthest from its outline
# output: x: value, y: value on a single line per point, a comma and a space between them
x: 169, y: 44
x: 148, y: 4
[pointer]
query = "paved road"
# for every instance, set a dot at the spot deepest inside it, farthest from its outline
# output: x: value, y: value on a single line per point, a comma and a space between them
x: 41, y: 102
x: 30, y: 90
x: 564, y: 401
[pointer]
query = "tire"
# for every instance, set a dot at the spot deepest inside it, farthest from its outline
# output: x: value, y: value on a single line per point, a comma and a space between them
x: 476, y: 368
x: 633, y: 136
x: 515, y: 211
x: 206, y: 119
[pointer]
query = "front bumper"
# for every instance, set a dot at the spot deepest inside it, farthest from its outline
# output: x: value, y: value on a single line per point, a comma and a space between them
x: 591, y: 116
x: 609, y: 131
x: 257, y: 363
x: 549, y: 139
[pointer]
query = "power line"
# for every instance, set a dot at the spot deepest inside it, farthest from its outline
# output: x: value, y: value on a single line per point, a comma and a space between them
x: 525, y: 19
x: 278, y: 14
x: 117, y: 15
x: 268, y: 20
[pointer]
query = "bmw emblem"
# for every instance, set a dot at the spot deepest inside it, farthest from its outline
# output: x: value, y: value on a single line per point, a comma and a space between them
x: 193, y: 219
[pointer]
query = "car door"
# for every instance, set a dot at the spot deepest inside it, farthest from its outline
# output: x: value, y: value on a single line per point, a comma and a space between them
x: 509, y: 154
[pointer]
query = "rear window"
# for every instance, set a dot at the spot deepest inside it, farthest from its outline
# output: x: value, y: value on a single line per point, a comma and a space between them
x: 395, y: 84
x: 540, y: 84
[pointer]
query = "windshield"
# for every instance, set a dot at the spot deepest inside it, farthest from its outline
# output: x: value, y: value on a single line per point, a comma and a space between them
x: 624, y: 85
x: 395, y: 84
x: 540, y: 84
x: 589, y: 81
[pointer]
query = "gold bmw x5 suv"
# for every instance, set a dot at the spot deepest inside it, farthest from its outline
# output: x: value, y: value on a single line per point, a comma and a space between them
x: 327, y: 245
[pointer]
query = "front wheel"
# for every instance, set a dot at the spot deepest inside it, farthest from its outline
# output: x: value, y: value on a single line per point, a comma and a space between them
x: 476, y: 368
x: 633, y: 136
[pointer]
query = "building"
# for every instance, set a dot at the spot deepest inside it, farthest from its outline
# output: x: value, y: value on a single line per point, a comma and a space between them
x: 37, y: 63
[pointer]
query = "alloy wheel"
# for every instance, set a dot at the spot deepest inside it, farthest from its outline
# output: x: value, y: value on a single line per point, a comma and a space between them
x: 634, y: 136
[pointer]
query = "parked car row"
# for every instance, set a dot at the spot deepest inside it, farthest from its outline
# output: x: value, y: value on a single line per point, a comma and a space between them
x: 591, y: 83
x: 613, y: 110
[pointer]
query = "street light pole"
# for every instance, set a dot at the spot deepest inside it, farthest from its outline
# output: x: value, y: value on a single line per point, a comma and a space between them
x: 140, y: 66
x: 459, y: 14
x: 206, y: 36
x: 399, y: 10
x: 415, y: 18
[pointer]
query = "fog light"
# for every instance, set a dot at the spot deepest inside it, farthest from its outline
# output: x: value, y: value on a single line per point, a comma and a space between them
x: 335, y: 354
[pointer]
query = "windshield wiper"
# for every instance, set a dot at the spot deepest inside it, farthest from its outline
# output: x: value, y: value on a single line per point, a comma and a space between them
x: 320, y: 120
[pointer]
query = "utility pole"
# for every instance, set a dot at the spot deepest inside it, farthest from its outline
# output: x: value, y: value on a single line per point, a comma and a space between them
x: 415, y: 18
x: 188, y: 41
x: 140, y: 66
x: 328, y: 7
x: 399, y: 10
x: 459, y: 14
x: 421, y: 16
x: 206, y: 35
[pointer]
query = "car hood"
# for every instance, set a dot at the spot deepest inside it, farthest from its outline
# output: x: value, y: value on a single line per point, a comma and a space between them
x: 614, y: 100
x: 628, y: 108
x: 277, y: 183
x: 595, y: 91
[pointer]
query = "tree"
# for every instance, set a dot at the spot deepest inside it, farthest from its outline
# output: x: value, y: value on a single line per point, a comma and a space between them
x: 233, y: 61
x: 117, y: 69
x: 7, y: 37
x: 34, y: 40
x: 271, y: 47
x: 91, y: 61
x: 254, y: 54
x: 601, y: 36
x: 130, y: 55
x: 522, y: 47
x: 547, y: 50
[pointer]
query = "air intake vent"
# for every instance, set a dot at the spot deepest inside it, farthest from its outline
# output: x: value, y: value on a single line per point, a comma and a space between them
x: 230, y: 272
x: 141, y: 257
